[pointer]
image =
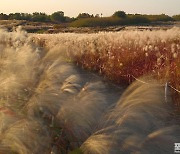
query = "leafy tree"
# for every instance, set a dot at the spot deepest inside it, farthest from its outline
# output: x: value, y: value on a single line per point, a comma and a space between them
x: 3, y: 16
x: 38, y: 16
x: 26, y: 16
x: 84, y: 15
x: 16, y: 16
x: 57, y: 16
x: 68, y: 19
x: 176, y: 17
x: 97, y: 16
x: 120, y: 14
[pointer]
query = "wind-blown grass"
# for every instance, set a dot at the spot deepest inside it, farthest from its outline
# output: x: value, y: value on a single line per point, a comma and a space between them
x: 121, y: 56
x: 46, y: 105
x: 135, y: 124
x: 49, y: 105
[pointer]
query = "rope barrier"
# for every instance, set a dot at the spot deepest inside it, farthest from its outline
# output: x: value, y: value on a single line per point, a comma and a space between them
x: 174, y: 88
x: 166, y: 84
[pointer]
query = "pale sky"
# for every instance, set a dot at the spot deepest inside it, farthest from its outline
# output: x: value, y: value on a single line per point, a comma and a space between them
x: 107, y: 7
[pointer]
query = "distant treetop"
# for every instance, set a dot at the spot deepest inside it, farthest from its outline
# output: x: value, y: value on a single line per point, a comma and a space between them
x: 85, y: 15
x: 57, y: 16
x: 120, y: 14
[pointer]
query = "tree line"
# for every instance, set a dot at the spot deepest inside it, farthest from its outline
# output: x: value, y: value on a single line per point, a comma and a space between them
x: 43, y: 17
x: 36, y: 16
x: 117, y: 17
x: 121, y: 18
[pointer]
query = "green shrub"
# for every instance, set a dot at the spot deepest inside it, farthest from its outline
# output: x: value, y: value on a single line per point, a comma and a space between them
x: 137, y: 19
x: 176, y: 17
x: 161, y: 17
x: 93, y: 22
x: 109, y: 21
x: 39, y: 17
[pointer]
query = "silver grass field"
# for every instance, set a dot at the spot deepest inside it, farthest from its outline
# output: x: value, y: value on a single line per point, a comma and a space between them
x: 48, y: 105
